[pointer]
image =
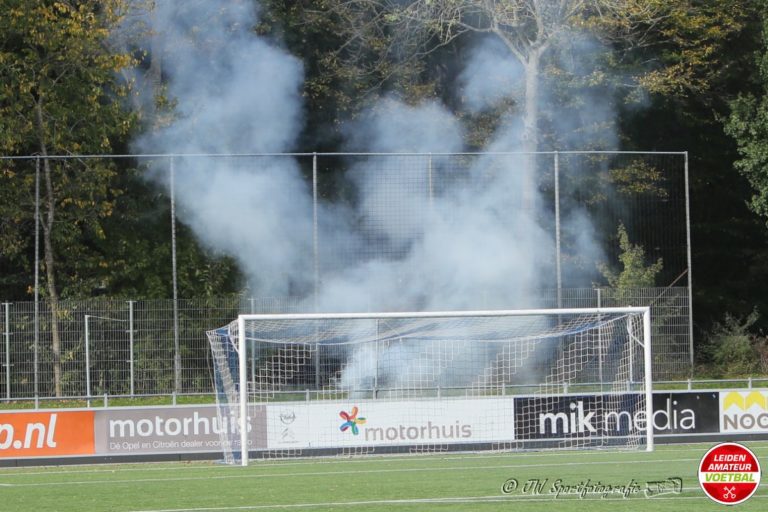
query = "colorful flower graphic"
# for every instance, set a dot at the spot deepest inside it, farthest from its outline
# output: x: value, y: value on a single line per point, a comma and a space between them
x: 351, y: 421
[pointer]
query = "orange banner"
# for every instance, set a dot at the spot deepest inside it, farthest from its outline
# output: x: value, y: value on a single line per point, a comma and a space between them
x: 53, y: 433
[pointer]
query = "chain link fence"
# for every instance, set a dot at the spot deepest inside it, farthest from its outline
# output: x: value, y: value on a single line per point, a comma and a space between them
x: 127, y: 348
x: 361, y: 212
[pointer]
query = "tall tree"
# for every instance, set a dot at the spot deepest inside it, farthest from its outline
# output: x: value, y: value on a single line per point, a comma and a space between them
x: 701, y: 56
x: 748, y: 125
x: 411, y: 30
x: 59, y: 95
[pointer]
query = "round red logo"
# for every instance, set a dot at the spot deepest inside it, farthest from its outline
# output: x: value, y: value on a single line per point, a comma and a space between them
x: 729, y: 473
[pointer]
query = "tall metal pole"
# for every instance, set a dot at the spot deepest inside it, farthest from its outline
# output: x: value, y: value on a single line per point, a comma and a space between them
x: 243, y: 391
x: 7, y: 350
x: 36, y: 368
x: 430, y: 178
x: 316, y: 255
x: 600, y: 341
x: 176, y: 347
x: 130, y: 344
x: 557, y: 232
x: 688, y: 253
x: 315, y: 234
x: 253, y: 352
x: 647, y: 355
x: 631, y: 358
x: 87, y: 358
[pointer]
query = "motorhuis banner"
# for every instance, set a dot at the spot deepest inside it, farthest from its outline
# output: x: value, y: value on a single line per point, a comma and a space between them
x: 172, y: 430
x: 123, y: 431
x: 389, y: 423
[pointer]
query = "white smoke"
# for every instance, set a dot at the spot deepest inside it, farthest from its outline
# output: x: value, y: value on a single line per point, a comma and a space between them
x: 235, y: 93
x: 491, y: 75
x: 447, y: 236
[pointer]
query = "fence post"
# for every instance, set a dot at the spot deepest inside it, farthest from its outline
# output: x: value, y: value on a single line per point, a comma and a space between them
x: 600, y: 341
x: 688, y: 254
x: 36, y: 369
x: 316, y: 254
x: 430, y: 180
x: 315, y: 231
x: 176, y: 348
x: 130, y: 344
x: 7, y: 350
x: 558, y: 270
x: 87, y: 360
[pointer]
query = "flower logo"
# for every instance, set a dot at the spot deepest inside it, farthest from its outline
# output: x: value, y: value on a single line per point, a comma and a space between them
x: 351, y: 421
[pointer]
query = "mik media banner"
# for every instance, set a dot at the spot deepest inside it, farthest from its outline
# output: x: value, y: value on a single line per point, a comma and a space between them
x: 614, y: 415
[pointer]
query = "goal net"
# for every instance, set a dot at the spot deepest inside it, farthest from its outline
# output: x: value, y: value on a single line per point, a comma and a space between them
x: 438, y: 381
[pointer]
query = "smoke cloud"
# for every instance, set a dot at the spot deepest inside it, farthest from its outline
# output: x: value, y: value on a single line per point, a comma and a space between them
x: 425, y: 232
x: 490, y: 76
x: 235, y: 93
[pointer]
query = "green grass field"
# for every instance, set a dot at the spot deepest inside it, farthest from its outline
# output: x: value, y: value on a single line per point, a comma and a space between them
x: 446, y: 482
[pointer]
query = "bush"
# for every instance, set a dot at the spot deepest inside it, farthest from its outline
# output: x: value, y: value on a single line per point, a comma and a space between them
x: 731, y: 350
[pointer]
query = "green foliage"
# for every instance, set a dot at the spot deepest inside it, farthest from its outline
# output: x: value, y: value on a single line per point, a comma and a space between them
x: 635, y: 273
x: 640, y: 177
x: 59, y: 95
x: 748, y: 125
x: 111, y: 231
x: 731, y: 348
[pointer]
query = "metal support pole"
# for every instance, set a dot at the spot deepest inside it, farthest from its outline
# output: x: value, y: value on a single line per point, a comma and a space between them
x: 87, y: 358
x: 176, y: 347
x: 631, y: 354
x: 599, y: 341
x: 688, y: 253
x: 7, y: 350
x: 131, y: 344
x: 376, y: 372
x: 315, y: 234
x: 253, y: 352
x: 430, y: 179
x: 316, y: 257
x: 36, y: 368
x: 648, y: 379
x: 243, y: 385
x: 558, y: 271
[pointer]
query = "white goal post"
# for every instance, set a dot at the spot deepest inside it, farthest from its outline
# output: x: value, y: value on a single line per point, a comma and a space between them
x: 293, y: 384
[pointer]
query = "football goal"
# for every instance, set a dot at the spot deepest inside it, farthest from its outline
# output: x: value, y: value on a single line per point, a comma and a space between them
x: 358, y: 383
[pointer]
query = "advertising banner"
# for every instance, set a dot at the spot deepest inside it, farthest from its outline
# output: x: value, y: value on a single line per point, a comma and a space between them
x: 686, y: 412
x: 360, y: 423
x: 49, y: 433
x: 170, y: 430
x: 744, y: 412
x: 393, y: 423
x: 566, y: 416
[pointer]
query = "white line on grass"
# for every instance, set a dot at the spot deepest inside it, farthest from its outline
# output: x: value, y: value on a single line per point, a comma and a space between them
x: 415, y: 501
x: 240, y: 475
x: 311, y: 461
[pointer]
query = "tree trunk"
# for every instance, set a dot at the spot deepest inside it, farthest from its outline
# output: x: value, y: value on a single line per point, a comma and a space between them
x: 530, y: 126
x: 531, y: 100
x: 47, y: 224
